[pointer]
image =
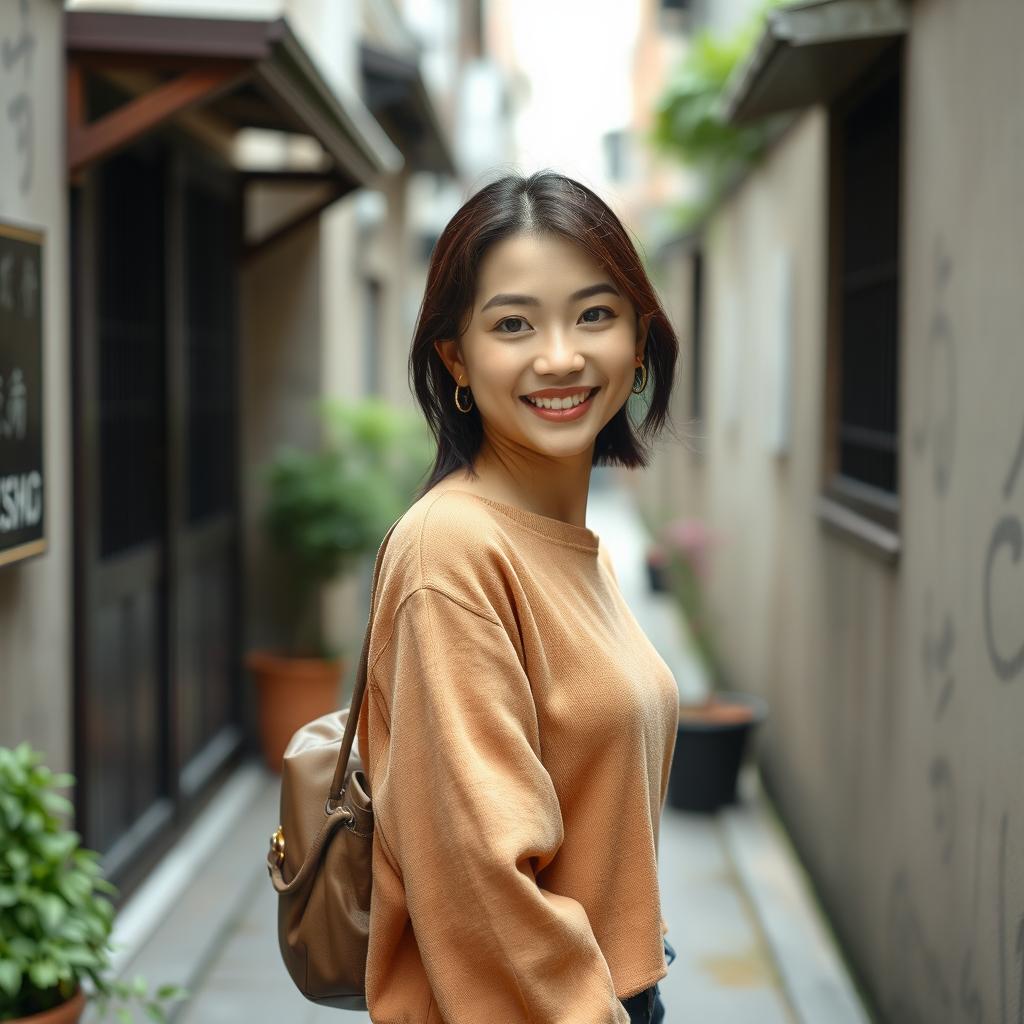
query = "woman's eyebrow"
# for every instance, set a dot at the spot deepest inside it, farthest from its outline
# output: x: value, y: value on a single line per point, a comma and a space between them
x: 506, y: 299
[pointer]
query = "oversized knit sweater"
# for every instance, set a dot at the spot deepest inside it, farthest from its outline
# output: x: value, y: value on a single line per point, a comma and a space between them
x: 516, y: 731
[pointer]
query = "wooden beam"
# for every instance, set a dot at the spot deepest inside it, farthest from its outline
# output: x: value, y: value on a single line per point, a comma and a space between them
x: 88, y: 143
x: 75, y: 112
x: 76, y: 97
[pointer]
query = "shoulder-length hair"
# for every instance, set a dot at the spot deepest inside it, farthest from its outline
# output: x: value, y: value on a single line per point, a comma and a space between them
x: 544, y: 202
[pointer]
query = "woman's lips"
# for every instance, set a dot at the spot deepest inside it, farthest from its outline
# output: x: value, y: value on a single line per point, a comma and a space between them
x: 560, y: 415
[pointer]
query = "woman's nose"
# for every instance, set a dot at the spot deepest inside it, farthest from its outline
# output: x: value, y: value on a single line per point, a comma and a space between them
x: 559, y: 354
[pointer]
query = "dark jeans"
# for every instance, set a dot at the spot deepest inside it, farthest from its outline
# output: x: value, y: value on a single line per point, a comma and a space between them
x: 646, y: 1007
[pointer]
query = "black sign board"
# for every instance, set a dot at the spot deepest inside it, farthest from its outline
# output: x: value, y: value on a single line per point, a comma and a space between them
x: 21, y: 394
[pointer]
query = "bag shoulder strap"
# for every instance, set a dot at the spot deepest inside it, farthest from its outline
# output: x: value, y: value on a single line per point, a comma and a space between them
x: 360, y: 686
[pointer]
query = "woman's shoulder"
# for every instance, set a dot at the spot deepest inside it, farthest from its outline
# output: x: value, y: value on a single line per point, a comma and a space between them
x: 449, y: 541
x: 445, y: 523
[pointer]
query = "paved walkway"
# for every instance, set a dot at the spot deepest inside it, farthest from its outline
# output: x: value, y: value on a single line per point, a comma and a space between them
x: 752, y: 948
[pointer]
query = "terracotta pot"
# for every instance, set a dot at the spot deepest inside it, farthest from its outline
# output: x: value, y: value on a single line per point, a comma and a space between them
x: 714, y: 711
x: 710, y: 745
x: 292, y: 691
x: 68, y: 1012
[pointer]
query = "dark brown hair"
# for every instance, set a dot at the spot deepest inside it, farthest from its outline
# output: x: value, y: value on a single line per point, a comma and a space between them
x: 543, y: 203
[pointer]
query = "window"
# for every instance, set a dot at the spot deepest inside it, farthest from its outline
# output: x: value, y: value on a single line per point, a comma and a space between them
x: 862, y: 453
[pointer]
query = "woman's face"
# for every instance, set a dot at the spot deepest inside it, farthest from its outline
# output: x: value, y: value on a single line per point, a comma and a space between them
x: 532, y: 328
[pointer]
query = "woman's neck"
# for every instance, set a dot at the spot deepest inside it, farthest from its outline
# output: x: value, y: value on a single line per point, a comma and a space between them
x: 563, y: 497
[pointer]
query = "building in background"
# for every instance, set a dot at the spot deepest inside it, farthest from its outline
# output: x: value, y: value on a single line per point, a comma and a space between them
x: 852, y: 324
x: 236, y: 203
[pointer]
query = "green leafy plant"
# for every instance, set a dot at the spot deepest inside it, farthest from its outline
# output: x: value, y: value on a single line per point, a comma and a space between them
x: 688, y: 123
x: 327, y: 508
x: 55, y: 922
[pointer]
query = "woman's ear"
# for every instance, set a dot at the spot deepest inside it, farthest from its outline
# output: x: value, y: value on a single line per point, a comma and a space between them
x: 448, y: 350
x: 642, y: 330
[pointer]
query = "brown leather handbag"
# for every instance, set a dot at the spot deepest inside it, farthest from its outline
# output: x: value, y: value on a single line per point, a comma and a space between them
x: 321, y: 855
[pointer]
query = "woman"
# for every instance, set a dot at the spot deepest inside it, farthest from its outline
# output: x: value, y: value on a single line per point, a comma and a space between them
x: 518, y: 727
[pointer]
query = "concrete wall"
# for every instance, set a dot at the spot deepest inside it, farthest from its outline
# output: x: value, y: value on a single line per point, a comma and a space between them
x: 35, y: 595
x: 896, y: 690
x: 281, y: 375
x: 950, y: 895
x: 303, y: 308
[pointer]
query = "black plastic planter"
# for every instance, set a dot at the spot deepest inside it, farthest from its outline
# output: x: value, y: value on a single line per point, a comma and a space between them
x: 657, y: 577
x: 708, y: 755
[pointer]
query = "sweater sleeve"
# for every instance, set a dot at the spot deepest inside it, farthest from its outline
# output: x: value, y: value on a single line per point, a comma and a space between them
x: 469, y: 815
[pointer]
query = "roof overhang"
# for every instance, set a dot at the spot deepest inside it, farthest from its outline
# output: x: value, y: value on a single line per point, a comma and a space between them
x: 398, y: 98
x: 809, y: 53
x: 233, y: 74
x: 250, y: 73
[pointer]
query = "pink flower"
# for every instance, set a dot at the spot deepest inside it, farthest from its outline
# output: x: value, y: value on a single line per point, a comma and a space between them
x: 657, y: 555
x: 692, y: 538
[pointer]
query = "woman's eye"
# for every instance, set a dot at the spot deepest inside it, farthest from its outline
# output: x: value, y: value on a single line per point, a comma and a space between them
x: 513, y: 319
x: 520, y: 324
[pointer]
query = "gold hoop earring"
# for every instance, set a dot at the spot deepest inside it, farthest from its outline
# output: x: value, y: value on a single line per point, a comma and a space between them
x: 458, y: 384
x: 643, y: 371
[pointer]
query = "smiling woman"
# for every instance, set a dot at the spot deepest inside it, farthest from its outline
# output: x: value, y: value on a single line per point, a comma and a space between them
x: 517, y: 726
x: 509, y: 315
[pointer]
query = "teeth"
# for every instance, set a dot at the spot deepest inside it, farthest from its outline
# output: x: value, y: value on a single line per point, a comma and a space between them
x: 559, y: 403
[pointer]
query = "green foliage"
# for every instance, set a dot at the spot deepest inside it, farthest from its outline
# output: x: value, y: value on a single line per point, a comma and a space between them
x: 327, y: 508
x: 55, y: 919
x: 688, y: 123
x: 690, y: 601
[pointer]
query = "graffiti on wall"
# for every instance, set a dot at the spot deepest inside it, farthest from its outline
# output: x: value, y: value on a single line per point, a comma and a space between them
x: 923, y: 988
x: 924, y: 992
x: 1006, y: 653
x: 16, y: 50
x: 935, y: 435
x: 937, y: 656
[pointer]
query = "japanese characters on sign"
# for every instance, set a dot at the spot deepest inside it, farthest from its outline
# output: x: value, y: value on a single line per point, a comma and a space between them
x: 21, y: 394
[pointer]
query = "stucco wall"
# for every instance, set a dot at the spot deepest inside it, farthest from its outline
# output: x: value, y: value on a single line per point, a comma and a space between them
x: 951, y: 887
x: 35, y: 595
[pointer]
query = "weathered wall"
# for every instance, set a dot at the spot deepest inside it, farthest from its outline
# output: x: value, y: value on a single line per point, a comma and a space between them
x: 896, y: 690
x: 35, y: 594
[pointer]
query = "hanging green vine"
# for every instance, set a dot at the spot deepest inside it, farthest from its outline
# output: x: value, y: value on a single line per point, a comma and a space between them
x: 688, y: 124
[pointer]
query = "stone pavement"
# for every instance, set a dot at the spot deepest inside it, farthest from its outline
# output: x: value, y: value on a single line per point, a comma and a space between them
x: 752, y: 946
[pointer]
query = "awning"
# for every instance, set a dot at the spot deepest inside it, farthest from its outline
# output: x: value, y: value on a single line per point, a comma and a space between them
x: 398, y: 99
x: 240, y: 74
x: 809, y: 53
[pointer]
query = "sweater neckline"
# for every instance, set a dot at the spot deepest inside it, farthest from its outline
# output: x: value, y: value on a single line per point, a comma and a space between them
x: 556, y: 529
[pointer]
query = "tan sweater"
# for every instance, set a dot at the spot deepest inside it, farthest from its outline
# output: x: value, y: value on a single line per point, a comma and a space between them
x: 517, y: 731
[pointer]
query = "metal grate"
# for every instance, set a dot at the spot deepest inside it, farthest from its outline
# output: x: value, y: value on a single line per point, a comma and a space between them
x: 210, y: 396
x: 131, y: 354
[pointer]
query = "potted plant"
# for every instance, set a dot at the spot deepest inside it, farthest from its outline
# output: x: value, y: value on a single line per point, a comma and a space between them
x: 656, y: 560
x: 325, y: 510
x: 713, y: 733
x: 54, y: 923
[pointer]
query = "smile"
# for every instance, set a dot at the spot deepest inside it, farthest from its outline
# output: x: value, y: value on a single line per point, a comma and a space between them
x: 561, y: 408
